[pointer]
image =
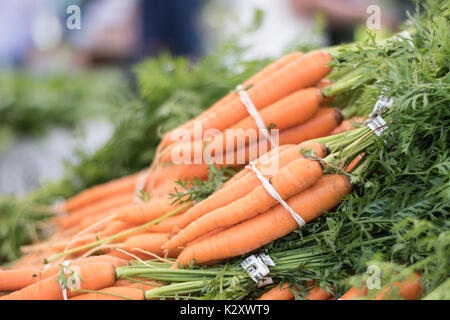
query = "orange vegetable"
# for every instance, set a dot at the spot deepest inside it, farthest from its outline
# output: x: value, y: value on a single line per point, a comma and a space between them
x: 95, y: 275
x: 409, y: 289
x: 301, y: 73
x: 15, y: 279
x: 257, y: 77
x: 285, y: 293
x: 273, y: 224
x: 320, y: 125
x: 292, y: 110
x: 151, y: 242
x: 242, y: 186
x: 103, y: 191
x: 106, y: 205
x: 147, y: 211
x: 347, y: 125
x: 295, y: 177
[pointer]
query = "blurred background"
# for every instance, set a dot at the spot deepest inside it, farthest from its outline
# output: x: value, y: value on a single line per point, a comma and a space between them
x: 63, y: 81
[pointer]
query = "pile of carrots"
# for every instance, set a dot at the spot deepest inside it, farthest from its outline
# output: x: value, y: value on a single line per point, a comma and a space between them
x: 108, y: 225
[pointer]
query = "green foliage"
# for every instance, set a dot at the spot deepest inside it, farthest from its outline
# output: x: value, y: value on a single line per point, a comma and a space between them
x: 32, y: 103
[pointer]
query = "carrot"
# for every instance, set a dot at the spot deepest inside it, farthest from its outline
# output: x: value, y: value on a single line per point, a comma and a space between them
x: 318, y: 293
x: 292, y: 110
x: 355, y: 162
x: 89, y: 221
x: 95, y: 275
x: 164, y: 189
x: 100, y: 192
x: 273, y: 224
x: 54, y: 268
x: 72, y: 244
x: 114, y: 227
x: 11, y: 280
x: 175, y: 172
x: 167, y: 225
x: 288, y: 181
x: 144, y: 212
x: 347, y: 125
x: 242, y: 186
x: 113, y: 293
x: 151, y: 242
x: 354, y: 293
x: 16, y: 279
x: 301, y: 73
x: 409, y: 289
x: 258, y: 162
x: 285, y: 293
x: 321, y: 124
x: 101, y: 207
x: 259, y: 76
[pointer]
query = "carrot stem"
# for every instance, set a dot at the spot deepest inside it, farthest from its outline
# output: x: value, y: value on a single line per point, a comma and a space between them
x: 344, y: 84
x: 100, y: 292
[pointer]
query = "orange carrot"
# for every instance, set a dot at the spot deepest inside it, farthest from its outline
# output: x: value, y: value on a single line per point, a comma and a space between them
x: 147, y: 211
x: 409, y: 289
x: 167, y: 225
x: 113, y: 293
x: 260, y: 160
x: 292, y: 110
x: 94, y: 275
x: 295, y: 177
x: 151, y: 242
x: 355, y: 162
x: 15, y: 279
x: 285, y: 293
x: 273, y: 224
x: 277, y: 293
x: 100, y: 192
x: 54, y: 268
x: 100, y: 207
x: 301, y: 73
x: 259, y: 76
x: 243, y: 186
x: 347, y: 125
x: 354, y: 293
x: 175, y: 172
x: 320, y: 125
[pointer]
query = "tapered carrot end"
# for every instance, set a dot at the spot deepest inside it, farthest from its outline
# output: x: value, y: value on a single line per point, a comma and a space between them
x: 338, y: 116
x: 348, y: 185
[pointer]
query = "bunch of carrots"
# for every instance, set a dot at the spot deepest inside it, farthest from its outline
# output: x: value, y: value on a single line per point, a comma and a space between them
x: 135, y: 218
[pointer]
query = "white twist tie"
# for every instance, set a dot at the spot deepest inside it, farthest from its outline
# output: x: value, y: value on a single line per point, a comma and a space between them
x: 271, y: 190
x: 64, y: 289
x: 251, y: 109
x: 69, y: 284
